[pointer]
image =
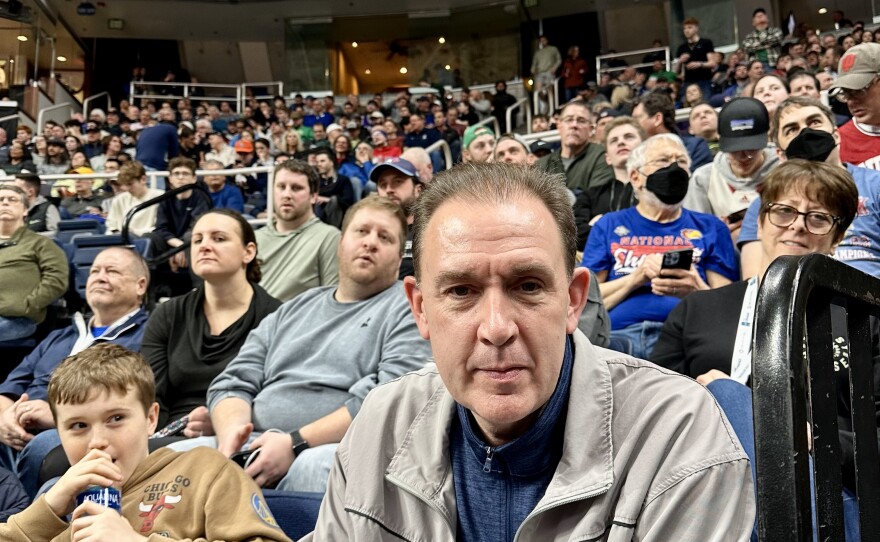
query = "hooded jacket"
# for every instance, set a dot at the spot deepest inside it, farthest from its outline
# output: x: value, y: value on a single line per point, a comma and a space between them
x: 715, y: 189
x: 194, y: 496
x: 33, y: 373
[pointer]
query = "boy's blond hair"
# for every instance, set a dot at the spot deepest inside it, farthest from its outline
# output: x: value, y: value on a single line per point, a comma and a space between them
x: 106, y: 368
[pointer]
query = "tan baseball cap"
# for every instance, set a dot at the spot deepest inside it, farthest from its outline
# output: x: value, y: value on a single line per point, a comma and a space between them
x: 858, y: 67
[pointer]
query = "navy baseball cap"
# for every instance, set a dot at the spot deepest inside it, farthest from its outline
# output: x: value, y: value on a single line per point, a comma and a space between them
x: 404, y: 166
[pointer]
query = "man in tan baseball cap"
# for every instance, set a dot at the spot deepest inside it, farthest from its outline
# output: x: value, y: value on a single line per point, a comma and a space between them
x: 857, y: 86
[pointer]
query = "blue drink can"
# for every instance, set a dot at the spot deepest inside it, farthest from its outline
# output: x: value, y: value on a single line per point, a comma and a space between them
x: 105, y: 496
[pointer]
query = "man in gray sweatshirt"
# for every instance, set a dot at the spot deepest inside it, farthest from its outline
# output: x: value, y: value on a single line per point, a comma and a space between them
x: 303, y: 373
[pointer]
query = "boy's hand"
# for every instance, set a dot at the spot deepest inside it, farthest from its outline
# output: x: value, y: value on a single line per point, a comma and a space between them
x: 12, y: 433
x: 96, y: 468
x: 95, y: 523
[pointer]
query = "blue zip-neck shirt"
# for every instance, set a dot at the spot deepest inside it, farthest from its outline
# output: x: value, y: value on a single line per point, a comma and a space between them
x: 496, y: 488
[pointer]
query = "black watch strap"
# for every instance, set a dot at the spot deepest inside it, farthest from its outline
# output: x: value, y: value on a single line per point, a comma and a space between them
x: 299, y: 444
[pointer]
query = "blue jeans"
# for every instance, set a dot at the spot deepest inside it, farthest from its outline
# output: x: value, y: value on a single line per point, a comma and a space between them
x: 643, y: 336
x: 309, y: 472
x: 736, y: 402
x: 17, y: 327
x: 26, y: 463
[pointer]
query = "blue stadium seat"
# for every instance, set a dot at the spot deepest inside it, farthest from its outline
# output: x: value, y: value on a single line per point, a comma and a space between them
x: 68, y: 229
x: 296, y: 513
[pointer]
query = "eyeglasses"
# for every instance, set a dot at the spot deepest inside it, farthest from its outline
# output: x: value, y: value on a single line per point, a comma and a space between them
x: 10, y: 199
x: 816, y: 222
x: 580, y: 121
x: 682, y: 161
x: 845, y: 94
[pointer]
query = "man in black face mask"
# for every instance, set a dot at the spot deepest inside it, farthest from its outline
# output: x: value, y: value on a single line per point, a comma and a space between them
x: 804, y: 128
x: 625, y: 248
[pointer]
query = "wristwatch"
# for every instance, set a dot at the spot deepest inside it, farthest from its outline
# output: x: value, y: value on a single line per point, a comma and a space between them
x: 299, y: 444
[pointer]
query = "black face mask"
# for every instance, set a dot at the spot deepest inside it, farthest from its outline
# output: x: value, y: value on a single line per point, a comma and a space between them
x: 812, y: 145
x: 669, y: 184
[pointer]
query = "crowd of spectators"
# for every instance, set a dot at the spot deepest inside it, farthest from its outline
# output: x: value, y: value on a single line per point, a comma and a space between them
x: 273, y: 337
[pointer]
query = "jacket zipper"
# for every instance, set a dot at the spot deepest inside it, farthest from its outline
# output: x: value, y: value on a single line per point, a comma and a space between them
x: 487, y: 465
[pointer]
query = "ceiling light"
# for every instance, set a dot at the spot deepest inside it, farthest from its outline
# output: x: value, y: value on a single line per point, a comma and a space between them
x: 442, y: 39
x: 354, y: 44
x: 403, y: 69
x: 448, y: 67
x: 823, y: 11
x: 61, y: 58
x: 22, y: 37
x: 367, y: 71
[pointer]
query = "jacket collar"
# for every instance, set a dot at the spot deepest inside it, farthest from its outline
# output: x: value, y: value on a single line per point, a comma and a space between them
x: 422, y: 464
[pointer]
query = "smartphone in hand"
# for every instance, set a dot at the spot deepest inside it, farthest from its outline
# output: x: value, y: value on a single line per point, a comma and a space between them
x: 678, y: 259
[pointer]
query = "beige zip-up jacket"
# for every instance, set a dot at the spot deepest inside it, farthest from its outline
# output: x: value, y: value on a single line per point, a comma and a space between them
x: 648, y: 456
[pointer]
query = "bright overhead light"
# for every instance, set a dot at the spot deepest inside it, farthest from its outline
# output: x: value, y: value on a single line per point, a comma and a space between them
x: 448, y: 67
x: 442, y: 39
x: 22, y: 37
x: 61, y: 58
x: 354, y: 44
x: 367, y: 71
x: 823, y: 11
x: 403, y: 69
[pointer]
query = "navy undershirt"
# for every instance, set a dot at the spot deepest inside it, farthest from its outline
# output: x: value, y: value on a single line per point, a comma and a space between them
x: 496, y: 488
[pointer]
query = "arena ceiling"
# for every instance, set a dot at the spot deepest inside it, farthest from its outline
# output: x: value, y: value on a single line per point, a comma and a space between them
x: 263, y: 20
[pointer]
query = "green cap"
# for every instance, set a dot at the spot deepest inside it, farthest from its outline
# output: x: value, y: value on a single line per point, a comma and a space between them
x: 473, y: 132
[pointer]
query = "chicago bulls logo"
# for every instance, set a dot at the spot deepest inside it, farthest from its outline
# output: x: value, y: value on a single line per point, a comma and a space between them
x: 150, y: 512
x: 848, y: 62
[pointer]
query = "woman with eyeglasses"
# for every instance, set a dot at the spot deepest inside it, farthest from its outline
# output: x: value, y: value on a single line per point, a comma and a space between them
x: 806, y: 208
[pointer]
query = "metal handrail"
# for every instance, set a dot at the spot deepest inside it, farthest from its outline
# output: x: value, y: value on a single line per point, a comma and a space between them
x: 491, y: 119
x: 447, y: 152
x: 197, y: 187
x: 51, y: 108
x: 245, y: 86
x: 600, y: 70
x: 236, y: 88
x: 508, y: 114
x: 552, y: 98
x: 555, y: 100
x: 88, y: 100
x: 8, y: 117
x: 794, y: 385
x: 548, y: 135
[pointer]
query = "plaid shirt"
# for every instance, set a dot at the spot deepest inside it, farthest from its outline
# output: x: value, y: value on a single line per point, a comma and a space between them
x: 767, y: 41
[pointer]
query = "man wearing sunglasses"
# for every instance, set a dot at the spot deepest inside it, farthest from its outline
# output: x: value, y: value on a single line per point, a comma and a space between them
x: 804, y: 128
x: 858, y: 86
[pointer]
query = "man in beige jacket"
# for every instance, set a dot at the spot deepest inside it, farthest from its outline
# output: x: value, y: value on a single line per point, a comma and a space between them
x: 524, y: 430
